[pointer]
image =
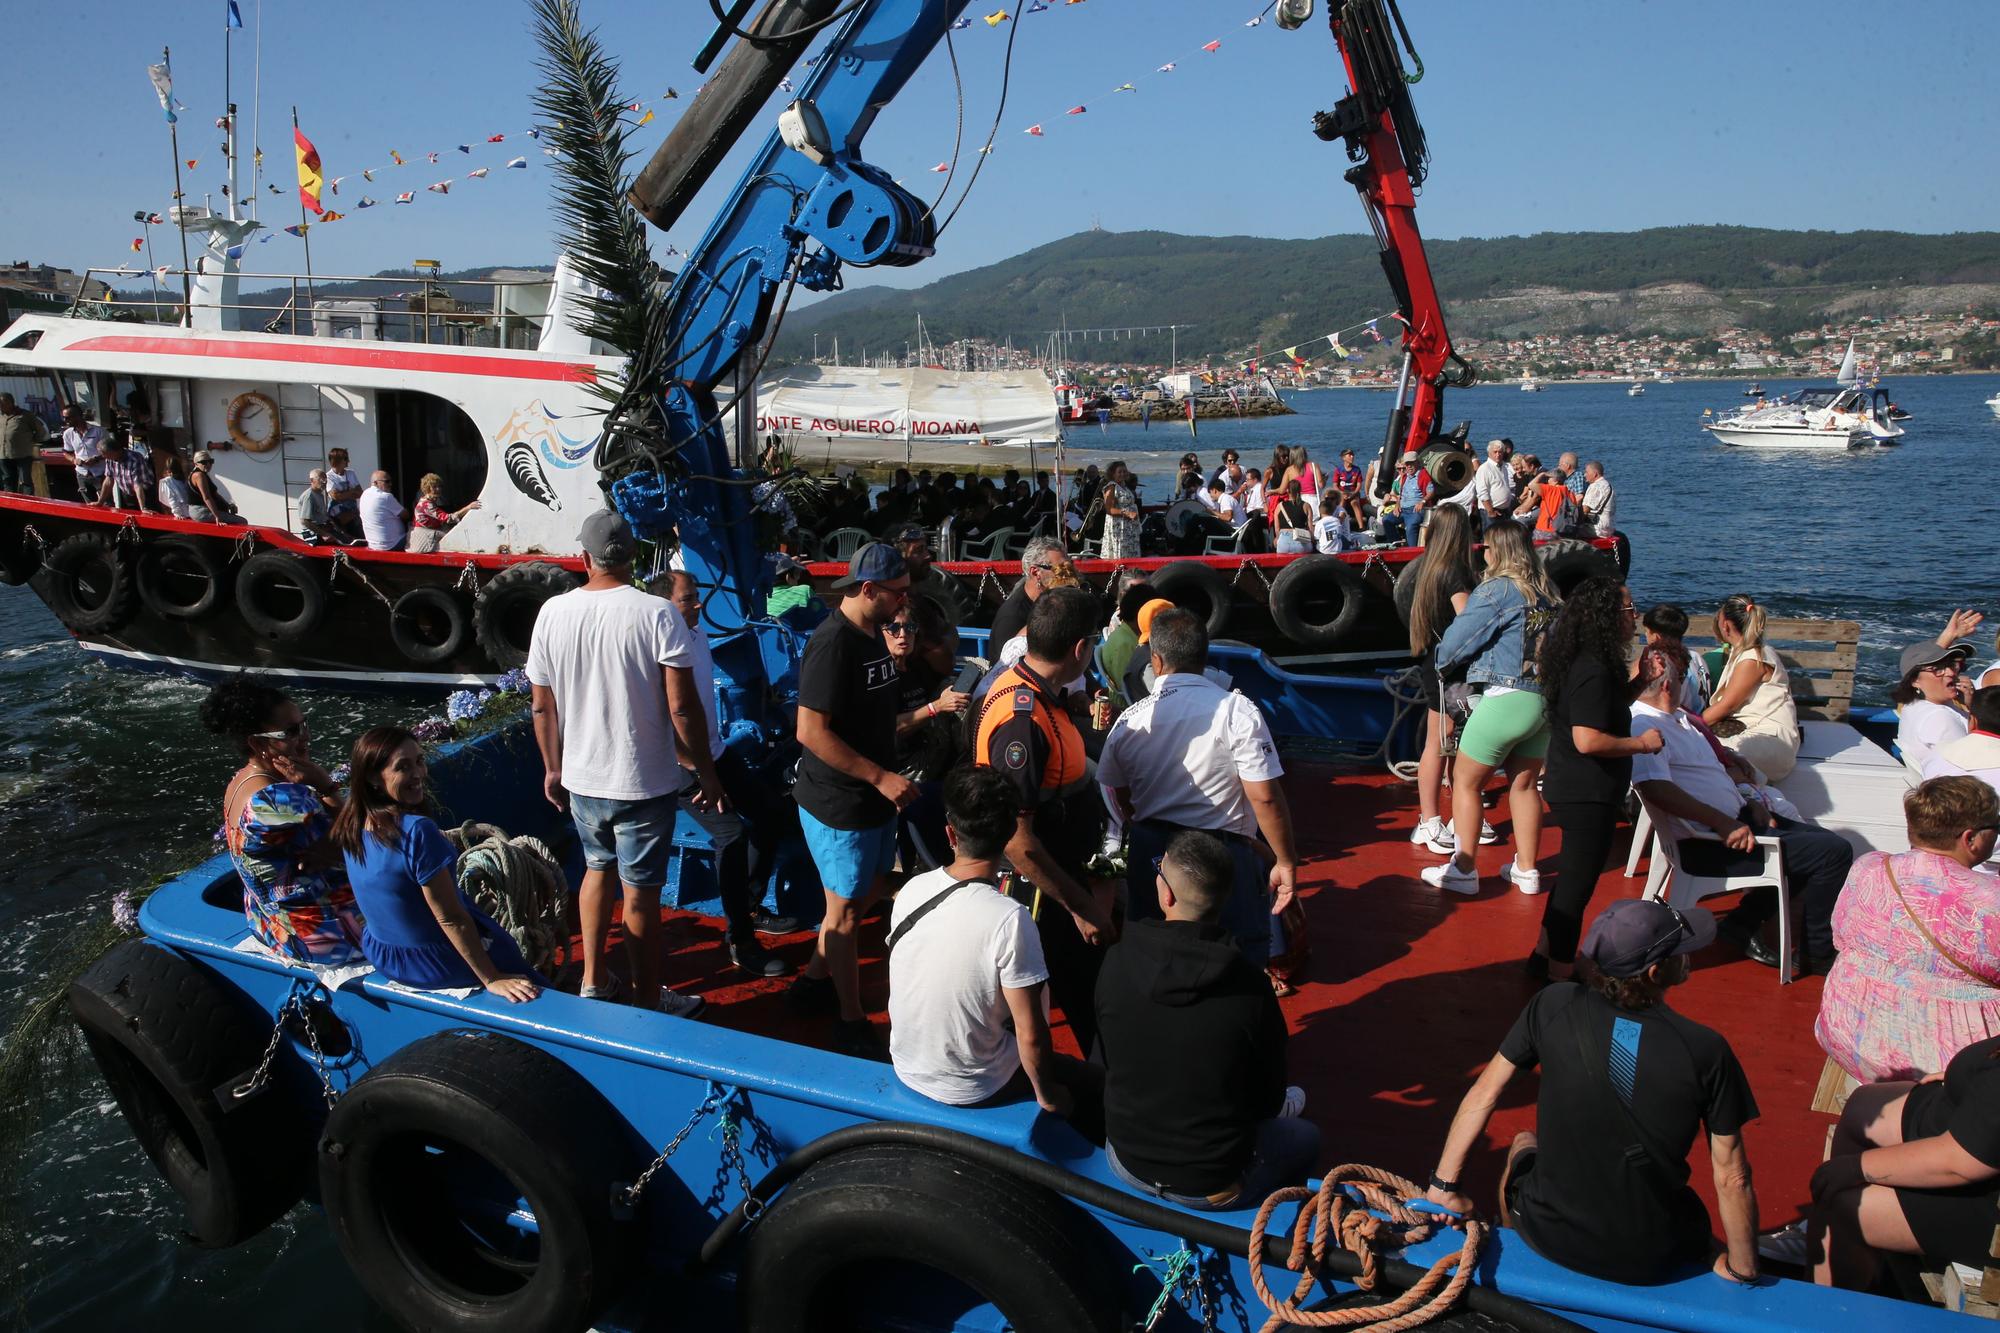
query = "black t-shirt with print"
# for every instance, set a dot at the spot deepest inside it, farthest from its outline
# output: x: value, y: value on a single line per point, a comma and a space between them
x: 1591, y: 697
x: 848, y: 676
x: 1623, y: 1095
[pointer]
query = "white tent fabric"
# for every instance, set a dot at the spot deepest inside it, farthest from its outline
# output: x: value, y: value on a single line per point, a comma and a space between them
x: 909, y: 406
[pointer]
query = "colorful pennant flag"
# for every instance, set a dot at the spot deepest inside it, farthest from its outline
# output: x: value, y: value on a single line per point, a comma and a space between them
x: 496, y: 138
x: 331, y: 216
x: 1215, y: 45
x: 1035, y: 130
x: 646, y: 119
x: 465, y: 148
x: 309, y: 177
x: 232, y: 17
x: 138, y: 244
x: 298, y: 229
x: 942, y: 166
x: 476, y: 175
x: 432, y: 158
x: 406, y: 196
x: 366, y: 202
x: 193, y: 162
x: 1167, y: 68
x: 1125, y: 88
x: 997, y: 17
x: 514, y: 162
x: 1076, y: 111
x: 396, y: 157
x: 959, y: 25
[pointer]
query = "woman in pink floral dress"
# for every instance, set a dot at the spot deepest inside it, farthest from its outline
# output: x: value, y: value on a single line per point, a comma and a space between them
x: 1918, y: 976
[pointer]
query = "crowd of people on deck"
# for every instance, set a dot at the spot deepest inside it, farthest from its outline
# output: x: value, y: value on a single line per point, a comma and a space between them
x: 1091, y: 812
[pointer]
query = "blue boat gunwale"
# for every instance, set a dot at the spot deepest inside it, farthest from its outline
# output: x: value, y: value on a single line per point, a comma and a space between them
x: 785, y: 1075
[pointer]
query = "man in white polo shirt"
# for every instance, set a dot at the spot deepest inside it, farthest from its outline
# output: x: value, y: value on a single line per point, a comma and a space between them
x: 1977, y: 753
x: 1194, y: 755
x: 1696, y: 803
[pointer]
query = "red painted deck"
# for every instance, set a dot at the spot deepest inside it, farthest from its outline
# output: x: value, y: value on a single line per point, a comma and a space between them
x: 1412, y: 990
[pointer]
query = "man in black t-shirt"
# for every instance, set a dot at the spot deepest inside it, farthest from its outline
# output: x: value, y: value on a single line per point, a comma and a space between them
x: 848, y: 788
x: 1601, y: 1185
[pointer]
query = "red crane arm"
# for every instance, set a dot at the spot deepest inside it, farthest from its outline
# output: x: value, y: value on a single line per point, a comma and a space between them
x: 1379, y: 126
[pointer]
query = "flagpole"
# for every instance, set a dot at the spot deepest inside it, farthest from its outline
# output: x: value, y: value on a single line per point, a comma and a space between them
x: 305, y: 227
x: 229, y: 112
x: 146, y: 221
x: 180, y: 201
x: 257, y: 116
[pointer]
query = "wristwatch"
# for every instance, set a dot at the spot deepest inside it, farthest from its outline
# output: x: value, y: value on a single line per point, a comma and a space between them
x: 1443, y: 1186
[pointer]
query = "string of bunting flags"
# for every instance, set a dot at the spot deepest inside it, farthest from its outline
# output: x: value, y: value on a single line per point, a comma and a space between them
x: 1370, y: 328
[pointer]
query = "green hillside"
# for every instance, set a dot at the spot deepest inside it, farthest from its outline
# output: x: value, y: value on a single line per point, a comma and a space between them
x: 1242, y: 290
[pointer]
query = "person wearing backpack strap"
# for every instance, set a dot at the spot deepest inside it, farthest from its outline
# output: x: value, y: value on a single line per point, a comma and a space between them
x: 968, y: 1026
x: 1601, y: 1186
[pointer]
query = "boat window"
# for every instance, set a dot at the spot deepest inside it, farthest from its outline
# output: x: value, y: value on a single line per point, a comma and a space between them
x: 26, y: 340
x: 35, y: 391
x: 421, y: 433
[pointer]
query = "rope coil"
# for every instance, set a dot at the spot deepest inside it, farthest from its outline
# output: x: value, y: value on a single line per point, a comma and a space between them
x: 1330, y: 1212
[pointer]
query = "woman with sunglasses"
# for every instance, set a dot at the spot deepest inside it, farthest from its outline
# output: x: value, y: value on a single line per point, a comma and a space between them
x: 930, y: 737
x: 276, y: 814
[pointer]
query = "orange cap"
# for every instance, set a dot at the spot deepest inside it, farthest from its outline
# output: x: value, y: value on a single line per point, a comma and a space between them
x: 1147, y: 612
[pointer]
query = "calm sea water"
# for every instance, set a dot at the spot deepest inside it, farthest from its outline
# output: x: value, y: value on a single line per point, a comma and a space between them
x: 107, y: 780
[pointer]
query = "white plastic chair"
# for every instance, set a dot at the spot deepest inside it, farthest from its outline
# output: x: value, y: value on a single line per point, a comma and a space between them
x: 1682, y: 889
x: 1642, y: 837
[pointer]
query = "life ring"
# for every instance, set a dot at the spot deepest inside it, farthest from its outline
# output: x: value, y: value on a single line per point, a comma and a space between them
x: 172, y: 1040
x: 1195, y: 587
x: 1316, y: 601
x: 421, y: 1166
x: 503, y: 616
x: 278, y: 597
x: 807, y: 1263
x: 240, y: 407
x: 91, y: 584
x: 181, y: 578
x: 428, y: 625
x: 1568, y: 561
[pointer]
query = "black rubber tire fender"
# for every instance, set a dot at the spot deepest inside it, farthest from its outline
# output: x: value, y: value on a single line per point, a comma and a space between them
x: 541, y: 1131
x: 1623, y: 553
x: 1568, y: 561
x: 421, y: 610
x: 268, y: 572
x: 1406, y: 588
x: 1316, y: 601
x: 172, y: 1038
x: 164, y: 564
x: 503, y: 616
x: 92, y: 562
x: 18, y: 562
x: 1022, y: 1247
x: 1193, y: 586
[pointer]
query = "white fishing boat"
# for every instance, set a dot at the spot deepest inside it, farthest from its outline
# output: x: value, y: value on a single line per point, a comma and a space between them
x: 1636, y: 391
x: 1531, y: 385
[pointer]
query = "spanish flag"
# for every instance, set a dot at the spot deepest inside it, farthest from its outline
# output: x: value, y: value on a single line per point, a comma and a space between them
x: 309, y: 177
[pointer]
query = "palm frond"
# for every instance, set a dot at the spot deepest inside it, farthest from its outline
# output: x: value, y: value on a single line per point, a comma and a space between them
x: 604, y: 236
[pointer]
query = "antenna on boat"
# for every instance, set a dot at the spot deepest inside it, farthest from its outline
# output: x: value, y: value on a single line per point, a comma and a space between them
x: 231, y: 21
x: 180, y: 203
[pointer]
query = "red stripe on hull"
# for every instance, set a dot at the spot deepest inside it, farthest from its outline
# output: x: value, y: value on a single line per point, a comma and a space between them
x: 362, y: 356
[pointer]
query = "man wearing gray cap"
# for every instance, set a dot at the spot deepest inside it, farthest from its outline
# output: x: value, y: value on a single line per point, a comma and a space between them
x: 1600, y: 1185
x: 616, y: 708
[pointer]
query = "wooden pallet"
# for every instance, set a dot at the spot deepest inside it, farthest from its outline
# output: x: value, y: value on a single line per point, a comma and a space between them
x: 1820, y: 655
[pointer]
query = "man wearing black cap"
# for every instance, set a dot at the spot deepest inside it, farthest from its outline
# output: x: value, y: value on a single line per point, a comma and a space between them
x: 848, y: 789
x: 1601, y: 1185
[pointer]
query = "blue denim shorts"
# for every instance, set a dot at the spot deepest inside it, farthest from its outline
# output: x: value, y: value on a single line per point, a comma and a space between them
x: 849, y: 860
x: 635, y: 836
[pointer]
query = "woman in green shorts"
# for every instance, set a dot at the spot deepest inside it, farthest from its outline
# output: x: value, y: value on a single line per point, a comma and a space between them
x: 1496, y: 642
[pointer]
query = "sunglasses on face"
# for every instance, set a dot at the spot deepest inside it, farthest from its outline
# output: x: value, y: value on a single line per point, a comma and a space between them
x: 291, y: 733
x: 897, y: 627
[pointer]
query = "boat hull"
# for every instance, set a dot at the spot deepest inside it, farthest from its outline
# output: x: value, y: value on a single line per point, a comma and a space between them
x: 1817, y: 441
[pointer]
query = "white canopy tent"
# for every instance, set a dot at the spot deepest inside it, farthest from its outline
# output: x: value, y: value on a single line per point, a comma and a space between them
x: 907, y: 407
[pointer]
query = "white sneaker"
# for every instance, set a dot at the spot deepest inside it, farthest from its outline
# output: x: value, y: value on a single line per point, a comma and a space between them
x: 1527, y: 881
x: 1487, y: 834
x: 1427, y: 831
x: 681, y: 1006
x: 609, y: 991
x: 1449, y: 877
x: 1295, y: 1103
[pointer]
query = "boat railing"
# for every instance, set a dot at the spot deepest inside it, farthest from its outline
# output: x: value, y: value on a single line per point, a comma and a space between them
x: 391, y: 307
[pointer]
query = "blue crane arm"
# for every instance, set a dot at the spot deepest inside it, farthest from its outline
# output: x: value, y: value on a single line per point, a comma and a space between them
x: 789, y: 219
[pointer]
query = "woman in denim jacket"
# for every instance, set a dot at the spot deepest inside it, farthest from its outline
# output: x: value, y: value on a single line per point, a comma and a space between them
x: 1496, y: 641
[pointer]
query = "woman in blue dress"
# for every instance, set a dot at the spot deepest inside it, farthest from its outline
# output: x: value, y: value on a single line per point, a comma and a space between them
x: 421, y: 931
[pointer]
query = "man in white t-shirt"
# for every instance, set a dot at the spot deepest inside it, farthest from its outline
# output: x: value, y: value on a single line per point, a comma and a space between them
x: 1600, y: 500
x: 1222, y: 502
x: 1930, y: 706
x: 383, y: 519
x: 1695, y: 802
x: 968, y: 1025
x: 1977, y: 753
x: 1192, y: 754
x: 615, y: 707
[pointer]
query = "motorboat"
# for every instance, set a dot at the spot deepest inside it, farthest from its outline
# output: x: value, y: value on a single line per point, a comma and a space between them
x: 1994, y: 403
x: 1636, y: 391
x: 1531, y: 385
x: 1837, y: 418
x: 1755, y: 390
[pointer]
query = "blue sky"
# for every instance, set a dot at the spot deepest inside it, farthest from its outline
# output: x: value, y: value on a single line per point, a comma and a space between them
x: 1552, y: 115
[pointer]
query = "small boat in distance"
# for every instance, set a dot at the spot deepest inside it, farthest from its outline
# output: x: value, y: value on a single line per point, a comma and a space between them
x: 1837, y: 418
x: 1755, y: 390
x: 1994, y: 403
x: 1637, y: 390
x: 1531, y: 385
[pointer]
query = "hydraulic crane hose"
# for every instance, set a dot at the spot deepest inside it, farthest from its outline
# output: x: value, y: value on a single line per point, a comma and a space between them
x: 1142, y: 1212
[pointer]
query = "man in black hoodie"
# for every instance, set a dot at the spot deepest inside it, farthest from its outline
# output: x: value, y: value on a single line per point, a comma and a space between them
x: 1196, y: 1109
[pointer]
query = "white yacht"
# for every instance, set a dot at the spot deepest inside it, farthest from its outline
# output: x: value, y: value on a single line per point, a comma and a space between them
x: 1531, y: 385
x: 1837, y: 418
x: 1637, y: 390
x: 1994, y: 403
